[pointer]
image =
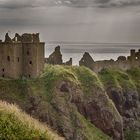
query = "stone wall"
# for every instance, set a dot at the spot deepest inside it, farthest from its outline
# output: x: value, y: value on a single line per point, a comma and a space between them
x: 21, y: 56
x: 121, y: 63
x: 56, y: 58
x: 11, y: 60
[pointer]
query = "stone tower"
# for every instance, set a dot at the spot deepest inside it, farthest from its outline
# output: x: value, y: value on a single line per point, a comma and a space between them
x: 22, y: 56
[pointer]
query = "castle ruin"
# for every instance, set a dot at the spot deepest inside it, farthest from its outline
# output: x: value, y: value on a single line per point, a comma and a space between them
x: 22, y: 56
x: 123, y: 63
x: 56, y: 58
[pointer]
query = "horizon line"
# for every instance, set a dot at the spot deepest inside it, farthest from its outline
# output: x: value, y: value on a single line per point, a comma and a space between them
x: 90, y: 43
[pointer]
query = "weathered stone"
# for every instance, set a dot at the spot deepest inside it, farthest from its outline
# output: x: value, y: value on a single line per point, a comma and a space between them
x: 122, y: 62
x: 36, y: 38
x: 7, y: 39
x: 86, y: 61
x: 121, y: 58
x: 17, y: 38
x: 21, y: 57
x: 128, y: 105
x: 27, y: 38
x: 69, y: 62
x: 56, y: 57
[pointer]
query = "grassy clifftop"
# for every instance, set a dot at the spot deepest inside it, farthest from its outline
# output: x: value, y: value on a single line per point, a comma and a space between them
x: 16, y: 125
x: 117, y: 78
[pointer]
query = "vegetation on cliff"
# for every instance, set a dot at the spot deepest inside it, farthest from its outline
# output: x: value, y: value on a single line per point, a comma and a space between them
x: 124, y: 89
x: 74, y: 100
x: 16, y: 125
x: 135, y: 76
x: 116, y: 78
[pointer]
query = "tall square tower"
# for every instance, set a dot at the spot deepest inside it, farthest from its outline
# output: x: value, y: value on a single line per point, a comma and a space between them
x: 22, y: 56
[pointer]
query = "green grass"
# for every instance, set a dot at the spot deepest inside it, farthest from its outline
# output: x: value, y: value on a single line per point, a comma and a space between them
x: 80, y: 76
x: 132, y: 135
x: 92, y: 132
x: 135, y: 76
x: 16, y: 125
x: 116, y: 78
x: 13, y: 90
x: 88, y: 79
x: 53, y: 75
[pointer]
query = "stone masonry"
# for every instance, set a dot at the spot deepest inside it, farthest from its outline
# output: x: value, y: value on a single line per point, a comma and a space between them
x: 122, y: 62
x: 22, y: 56
x: 56, y: 58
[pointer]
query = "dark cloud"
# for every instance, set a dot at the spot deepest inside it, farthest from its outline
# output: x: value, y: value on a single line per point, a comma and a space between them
x: 101, y: 3
x: 121, y: 3
x: 14, y: 4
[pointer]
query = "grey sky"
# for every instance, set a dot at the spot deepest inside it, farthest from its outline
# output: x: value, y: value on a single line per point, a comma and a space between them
x: 73, y: 20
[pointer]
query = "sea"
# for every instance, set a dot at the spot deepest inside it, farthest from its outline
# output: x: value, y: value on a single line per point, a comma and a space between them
x: 98, y: 51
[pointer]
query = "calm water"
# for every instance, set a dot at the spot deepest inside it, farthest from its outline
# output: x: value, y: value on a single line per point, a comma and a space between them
x: 97, y: 51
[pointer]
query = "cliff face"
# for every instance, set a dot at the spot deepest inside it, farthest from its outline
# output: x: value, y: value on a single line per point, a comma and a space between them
x: 124, y: 90
x: 78, y: 103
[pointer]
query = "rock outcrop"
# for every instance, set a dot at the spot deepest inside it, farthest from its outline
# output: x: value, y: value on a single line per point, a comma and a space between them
x: 123, y: 92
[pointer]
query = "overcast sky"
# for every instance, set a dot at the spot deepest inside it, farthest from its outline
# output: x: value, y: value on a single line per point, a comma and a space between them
x: 73, y: 20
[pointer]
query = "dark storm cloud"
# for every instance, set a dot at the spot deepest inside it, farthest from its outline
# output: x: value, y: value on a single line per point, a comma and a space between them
x: 14, y: 4
x: 121, y: 3
x: 102, y: 1
x: 107, y: 3
x: 99, y: 3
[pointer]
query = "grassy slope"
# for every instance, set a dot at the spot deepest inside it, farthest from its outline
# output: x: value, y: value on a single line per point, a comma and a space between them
x: 15, y: 125
x: 19, y: 90
x: 116, y: 78
x: 91, y: 131
x: 135, y: 76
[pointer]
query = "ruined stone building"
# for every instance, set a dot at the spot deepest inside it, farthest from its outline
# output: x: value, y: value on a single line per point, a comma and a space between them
x: 56, y: 58
x: 122, y: 62
x: 22, y: 56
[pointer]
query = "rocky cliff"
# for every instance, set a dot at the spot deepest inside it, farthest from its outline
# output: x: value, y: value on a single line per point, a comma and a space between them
x: 79, y: 104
